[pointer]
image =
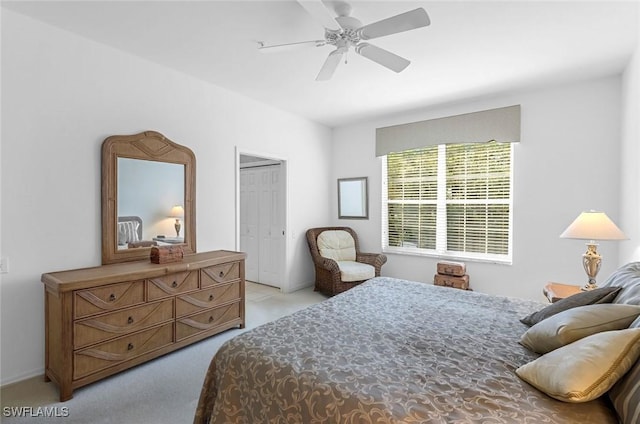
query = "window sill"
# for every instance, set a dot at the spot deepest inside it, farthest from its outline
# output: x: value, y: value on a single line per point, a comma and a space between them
x: 449, y: 257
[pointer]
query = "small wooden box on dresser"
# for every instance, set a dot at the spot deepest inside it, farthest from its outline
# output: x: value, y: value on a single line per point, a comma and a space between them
x: 102, y: 320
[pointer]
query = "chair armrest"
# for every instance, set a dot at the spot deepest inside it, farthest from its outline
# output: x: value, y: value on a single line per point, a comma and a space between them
x: 374, y: 259
x: 328, y: 264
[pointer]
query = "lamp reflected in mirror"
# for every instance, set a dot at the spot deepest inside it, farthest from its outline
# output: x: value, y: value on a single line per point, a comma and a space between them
x: 177, y: 212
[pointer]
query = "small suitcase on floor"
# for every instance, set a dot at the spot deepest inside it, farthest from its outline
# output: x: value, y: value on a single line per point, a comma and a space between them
x: 457, y: 269
x: 461, y: 282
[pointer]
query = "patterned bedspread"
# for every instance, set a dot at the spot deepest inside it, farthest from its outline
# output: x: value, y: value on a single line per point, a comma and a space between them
x: 387, y: 351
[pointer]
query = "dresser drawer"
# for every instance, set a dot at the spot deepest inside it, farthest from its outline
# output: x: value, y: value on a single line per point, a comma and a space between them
x: 107, y: 298
x: 112, y: 353
x: 170, y: 285
x: 207, y: 320
x: 187, y: 304
x: 218, y: 274
x: 103, y: 327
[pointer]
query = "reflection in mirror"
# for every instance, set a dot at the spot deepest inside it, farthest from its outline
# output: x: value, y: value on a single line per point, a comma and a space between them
x: 148, y: 190
x: 352, y: 198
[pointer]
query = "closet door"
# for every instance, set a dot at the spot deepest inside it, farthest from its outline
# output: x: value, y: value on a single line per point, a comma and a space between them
x: 249, y: 207
x: 271, y: 226
x: 262, y: 218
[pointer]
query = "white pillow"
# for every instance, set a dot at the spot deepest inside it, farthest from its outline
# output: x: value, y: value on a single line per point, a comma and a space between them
x: 586, y: 369
x: 128, y: 232
x: 575, y: 323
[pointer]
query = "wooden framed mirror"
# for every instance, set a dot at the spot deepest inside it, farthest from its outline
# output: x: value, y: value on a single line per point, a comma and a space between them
x: 148, y: 196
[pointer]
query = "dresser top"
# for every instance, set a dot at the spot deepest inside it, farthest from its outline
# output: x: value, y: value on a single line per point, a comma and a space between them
x: 75, y: 279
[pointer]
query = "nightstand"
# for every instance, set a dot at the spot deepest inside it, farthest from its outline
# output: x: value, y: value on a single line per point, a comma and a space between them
x: 556, y: 291
x: 169, y: 240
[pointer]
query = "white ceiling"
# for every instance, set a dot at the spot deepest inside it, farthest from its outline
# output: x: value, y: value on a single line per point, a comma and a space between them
x: 471, y: 48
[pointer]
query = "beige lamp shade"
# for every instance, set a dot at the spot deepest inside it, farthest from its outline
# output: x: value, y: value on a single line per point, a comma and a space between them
x: 593, y: 225
x: 177, y: 211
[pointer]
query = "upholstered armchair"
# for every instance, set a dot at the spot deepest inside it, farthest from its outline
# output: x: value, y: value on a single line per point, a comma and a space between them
x: 338, y: 261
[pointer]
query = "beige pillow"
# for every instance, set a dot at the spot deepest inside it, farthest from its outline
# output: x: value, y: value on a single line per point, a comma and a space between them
x: 576, y: 323
x: 586, y: 369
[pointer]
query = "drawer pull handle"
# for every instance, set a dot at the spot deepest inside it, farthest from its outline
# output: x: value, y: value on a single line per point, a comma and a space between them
x: 210, y: 319
x: 130, y: 346
x: 221, y: 274
x: 130, y: 320
x: 210, y: 297
x: 174, y: 284
x: 112, y: 297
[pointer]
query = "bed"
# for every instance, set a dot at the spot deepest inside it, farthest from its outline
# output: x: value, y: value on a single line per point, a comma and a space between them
x: 129, y: 230
x: 130, y: 233
x: 388, y: 351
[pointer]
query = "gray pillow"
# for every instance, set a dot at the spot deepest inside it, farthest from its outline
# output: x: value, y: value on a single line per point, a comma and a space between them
x: 591, y: 297
x: 625, y: 396
x: 576, y: 323
x: 628, y: 278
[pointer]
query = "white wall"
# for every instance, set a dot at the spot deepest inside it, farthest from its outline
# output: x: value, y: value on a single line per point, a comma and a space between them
x: 62, y: 95
x: 630, y: 156
x: 568, y: 161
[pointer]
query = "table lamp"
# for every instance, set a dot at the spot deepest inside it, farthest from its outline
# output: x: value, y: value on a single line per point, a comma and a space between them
x: 592, y: 226
x: 177, y: 212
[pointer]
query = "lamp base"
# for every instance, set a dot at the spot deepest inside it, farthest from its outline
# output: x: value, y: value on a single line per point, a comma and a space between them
x: 177, y: 227
x: 591, y: 262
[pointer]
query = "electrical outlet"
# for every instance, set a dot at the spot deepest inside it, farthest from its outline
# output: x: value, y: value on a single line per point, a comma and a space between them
x: 4, y: 265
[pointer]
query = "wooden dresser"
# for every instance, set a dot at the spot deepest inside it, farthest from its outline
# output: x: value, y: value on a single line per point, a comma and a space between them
x: 102, y: 320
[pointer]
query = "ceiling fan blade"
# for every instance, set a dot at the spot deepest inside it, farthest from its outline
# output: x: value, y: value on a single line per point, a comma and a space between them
x: 320, y: 13
x: 413, y: 19
x: 330, y: 64
x: 382, y: 56
x: 277, y: 48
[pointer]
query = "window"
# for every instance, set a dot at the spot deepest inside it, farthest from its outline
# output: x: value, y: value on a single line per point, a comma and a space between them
x: 449, y: 200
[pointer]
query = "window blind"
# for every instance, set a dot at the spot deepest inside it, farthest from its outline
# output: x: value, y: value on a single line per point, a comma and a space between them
x: 450, y: 200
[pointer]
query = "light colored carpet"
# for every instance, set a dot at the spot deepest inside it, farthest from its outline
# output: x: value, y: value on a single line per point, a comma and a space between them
x: 165, y: 390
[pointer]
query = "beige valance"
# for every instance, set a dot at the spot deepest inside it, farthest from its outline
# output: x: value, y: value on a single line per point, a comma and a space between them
x: 502, y: 125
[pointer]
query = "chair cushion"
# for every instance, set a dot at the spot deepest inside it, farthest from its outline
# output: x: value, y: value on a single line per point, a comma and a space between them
x: 355, y: 271
x: 337, y: 245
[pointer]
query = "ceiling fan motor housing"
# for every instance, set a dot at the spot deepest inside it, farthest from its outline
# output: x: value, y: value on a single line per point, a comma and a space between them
x: 349, y: 35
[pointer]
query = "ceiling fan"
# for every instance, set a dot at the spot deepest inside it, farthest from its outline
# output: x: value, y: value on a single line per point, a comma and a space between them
x: 344, y: 31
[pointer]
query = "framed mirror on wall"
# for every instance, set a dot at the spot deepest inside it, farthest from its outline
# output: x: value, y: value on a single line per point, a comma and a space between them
x: 353, y: 198
x: 148, y: 196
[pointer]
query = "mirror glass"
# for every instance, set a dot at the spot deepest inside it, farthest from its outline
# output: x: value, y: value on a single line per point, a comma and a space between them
x: 148, y: 196
x: 352, y: 198
x: 149, y: 190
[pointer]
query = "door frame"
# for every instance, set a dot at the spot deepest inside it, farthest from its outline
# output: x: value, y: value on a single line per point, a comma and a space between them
x: 284, y: 270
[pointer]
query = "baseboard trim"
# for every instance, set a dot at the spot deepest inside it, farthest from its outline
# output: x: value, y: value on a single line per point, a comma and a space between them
x: 21, y: 377
x: 300, y: 286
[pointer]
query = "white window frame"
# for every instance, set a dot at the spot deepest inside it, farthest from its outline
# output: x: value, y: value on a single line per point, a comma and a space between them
x: 440, y: 251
